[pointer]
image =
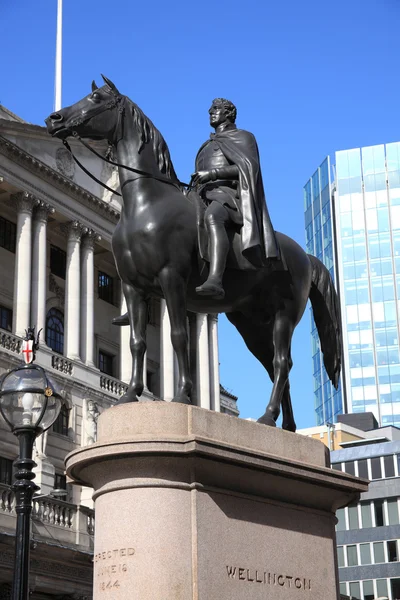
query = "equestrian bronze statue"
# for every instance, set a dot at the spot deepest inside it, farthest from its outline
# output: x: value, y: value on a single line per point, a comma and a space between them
x: 210, y: 250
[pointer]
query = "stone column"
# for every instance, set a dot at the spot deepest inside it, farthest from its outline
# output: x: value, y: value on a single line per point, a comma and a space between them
x: 166, y: 356
x: 39, y: 267
x: 214, y: 362
x: 125, y: 356
x: 23, y: 259
x: 203, y: 362
x: 87, y: 297
x: 74, y: 231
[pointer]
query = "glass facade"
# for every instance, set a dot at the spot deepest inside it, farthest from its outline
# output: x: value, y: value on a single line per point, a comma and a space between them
x: 364, y: 211
x: 319, y: 241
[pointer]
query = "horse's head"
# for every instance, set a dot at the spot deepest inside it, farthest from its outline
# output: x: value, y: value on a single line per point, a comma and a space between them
x: 95, y: 117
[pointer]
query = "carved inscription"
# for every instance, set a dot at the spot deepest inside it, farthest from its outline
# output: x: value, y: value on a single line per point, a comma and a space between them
x: 111, y: 566
x: 268, y: 578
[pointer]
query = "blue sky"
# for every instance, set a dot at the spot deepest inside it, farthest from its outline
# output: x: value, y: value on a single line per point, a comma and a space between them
x: 308, y: 78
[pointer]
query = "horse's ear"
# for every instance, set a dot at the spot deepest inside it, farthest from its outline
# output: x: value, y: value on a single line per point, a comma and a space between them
x: 94, y: 86
x: 110, y: 84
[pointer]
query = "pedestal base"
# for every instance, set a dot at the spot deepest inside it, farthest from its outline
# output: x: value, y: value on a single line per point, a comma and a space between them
x: 196, y: 505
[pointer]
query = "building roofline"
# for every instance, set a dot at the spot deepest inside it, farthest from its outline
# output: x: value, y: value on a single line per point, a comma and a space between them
x: 36, y: 166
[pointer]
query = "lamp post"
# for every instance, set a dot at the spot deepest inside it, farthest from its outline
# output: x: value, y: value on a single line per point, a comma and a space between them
x: 29, y: 403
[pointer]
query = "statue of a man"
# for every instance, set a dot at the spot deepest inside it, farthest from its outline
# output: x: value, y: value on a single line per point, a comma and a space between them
x: 92, y: 414
x: 228, y: 178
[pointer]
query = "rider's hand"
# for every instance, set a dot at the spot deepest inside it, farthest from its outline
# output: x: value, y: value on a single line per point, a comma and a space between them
x: 201, y: 177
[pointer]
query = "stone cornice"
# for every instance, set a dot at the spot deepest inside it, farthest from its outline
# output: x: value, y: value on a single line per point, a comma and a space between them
x: 18, y: 155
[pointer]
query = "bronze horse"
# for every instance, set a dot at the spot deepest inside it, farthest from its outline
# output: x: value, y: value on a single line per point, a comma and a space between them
x: 155, y: 246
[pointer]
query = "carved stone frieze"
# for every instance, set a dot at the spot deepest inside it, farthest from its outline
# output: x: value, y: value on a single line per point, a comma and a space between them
x: 21, y: 157
x: 65, y: 163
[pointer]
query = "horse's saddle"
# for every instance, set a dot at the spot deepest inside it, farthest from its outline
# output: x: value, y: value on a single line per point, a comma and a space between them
x: 235, y: 259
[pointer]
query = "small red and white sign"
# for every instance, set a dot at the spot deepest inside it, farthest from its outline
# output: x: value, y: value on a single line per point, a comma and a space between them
x: 27, y: 351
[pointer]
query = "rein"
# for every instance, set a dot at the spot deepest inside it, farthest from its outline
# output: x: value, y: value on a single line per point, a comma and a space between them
x: 121, y: 110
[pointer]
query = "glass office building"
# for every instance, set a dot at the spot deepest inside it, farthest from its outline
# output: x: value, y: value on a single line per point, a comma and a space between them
x: 354, y: 228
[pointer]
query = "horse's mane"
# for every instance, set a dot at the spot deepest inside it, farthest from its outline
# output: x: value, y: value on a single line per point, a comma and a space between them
x: 149, y: 133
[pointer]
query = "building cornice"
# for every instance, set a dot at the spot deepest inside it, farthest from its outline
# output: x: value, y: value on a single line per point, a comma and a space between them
x: 32, y: 164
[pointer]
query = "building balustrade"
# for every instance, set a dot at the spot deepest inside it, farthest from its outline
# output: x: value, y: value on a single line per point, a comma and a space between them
x: 115, y: 386
x: 54, y: 512
x: 10, y: 342
x: 52, y: 519
x: 62, y: 364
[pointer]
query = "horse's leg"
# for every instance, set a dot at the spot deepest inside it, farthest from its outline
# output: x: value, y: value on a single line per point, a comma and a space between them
x: 174, y: 288
x: 137, y: 310
x: 288, y: 421
x: 282, y: 363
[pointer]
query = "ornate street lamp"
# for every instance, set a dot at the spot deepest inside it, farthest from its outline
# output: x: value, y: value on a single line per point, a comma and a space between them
x: 29, y: 403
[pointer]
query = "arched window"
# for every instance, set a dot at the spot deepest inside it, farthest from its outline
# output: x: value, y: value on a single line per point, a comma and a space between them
x: 55, y: 330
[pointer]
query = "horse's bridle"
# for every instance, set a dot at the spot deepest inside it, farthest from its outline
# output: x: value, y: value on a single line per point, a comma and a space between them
x: 117, y: 101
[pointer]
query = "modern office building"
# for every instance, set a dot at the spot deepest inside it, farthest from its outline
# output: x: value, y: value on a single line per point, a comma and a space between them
x: 367, y: 532
x: 57, y: 273
x: 352, y: 220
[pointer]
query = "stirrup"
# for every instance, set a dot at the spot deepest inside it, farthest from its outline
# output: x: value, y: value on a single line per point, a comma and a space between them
x: 211, y: 289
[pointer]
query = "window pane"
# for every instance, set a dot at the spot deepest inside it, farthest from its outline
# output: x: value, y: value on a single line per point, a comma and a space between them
x: 352, y: 560
x: 368, y: 588
x: 393, y: 512
x: 343, y: 588
x: 379, y: 554
x: 365, y: 554
x: 355, y: 590
x: 392, y: 551
x: 6, y: 471
x: 353, y: 517
x: 58, y: 261
x: 106, y: 287
x: 389, y: 466
x: 341, y: 524
x: 378, y: 513
x: 7, y: 234
x: 349, y: 468
x: 106, y: 363
x: 366, y: 515
x: 340, y: 554
x: 376, y: 470
x: 363, y: 468
x: 381, y: 587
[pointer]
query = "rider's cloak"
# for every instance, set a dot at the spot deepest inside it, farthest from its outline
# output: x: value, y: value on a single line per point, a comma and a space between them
x: 258, y: 240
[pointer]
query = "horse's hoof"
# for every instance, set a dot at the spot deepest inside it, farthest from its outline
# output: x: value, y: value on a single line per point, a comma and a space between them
x: 182, y: 399
x: 126, y: 399
x: 266, y: 420
x: 290, y: 426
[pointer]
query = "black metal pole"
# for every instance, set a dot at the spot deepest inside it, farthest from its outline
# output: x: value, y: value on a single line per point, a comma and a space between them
x: 24, y: 489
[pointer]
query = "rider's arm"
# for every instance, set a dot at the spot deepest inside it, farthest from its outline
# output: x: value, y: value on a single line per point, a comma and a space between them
x: 229, y: 172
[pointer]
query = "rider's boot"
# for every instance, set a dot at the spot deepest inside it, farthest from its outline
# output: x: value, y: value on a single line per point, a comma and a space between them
x: 121, y: 320
x: 219, y: 248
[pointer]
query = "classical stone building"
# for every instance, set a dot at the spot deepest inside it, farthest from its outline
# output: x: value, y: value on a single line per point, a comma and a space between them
x: 57, y: 273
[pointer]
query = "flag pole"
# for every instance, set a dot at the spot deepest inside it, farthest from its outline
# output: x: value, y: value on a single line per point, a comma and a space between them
x: 58, y: 70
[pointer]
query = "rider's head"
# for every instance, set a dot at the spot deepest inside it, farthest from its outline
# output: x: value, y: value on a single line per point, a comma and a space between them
x: 222, y: 110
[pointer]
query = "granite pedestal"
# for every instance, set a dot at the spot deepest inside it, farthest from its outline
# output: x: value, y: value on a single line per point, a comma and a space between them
x: 197, y: 505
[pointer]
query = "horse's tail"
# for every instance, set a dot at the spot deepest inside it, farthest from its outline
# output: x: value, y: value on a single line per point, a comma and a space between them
x: 325, y: 305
